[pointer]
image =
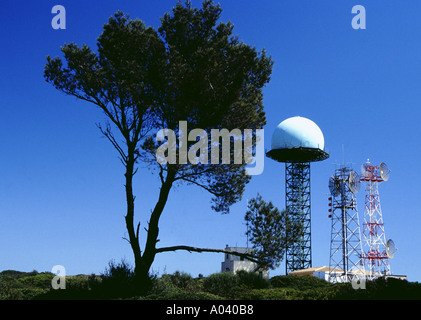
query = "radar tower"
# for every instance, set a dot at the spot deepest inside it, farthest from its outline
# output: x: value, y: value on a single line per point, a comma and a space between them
x: 297, y: 142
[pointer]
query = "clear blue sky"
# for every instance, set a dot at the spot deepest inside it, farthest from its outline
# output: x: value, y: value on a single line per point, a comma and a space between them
x: 62, y: 187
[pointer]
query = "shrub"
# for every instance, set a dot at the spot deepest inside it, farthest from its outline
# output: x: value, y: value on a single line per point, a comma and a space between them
x: 40, y: 280
x: 179, y: 285
x: 271, y: 294
x: 298, y: 282
x: 182, y: 280
x: 221, y: 284
x: 252, y: 280
x: 118, y: 281
x: 163, y: 289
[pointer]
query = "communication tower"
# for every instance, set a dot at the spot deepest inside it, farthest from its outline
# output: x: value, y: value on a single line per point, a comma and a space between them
x: 297, y: 141
x: 377, y: 251
x: 345, y: 262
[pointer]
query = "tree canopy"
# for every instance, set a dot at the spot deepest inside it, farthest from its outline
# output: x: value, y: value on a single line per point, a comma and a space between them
x: 270, y: 231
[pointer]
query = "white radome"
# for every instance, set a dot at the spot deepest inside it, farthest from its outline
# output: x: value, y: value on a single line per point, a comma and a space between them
x: 297, y: 132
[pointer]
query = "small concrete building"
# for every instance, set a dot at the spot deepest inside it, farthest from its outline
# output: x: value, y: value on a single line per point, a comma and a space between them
x: 234, y: 263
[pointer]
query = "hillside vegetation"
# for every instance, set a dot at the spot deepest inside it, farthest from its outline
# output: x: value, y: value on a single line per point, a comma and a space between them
x: 117, y: 284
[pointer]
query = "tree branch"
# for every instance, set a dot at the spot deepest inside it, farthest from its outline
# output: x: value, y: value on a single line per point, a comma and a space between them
x: 137, y: 231
x: 204, y: 187
x: 248, y: 256
x: 108, y: 134
x: 182, y: 177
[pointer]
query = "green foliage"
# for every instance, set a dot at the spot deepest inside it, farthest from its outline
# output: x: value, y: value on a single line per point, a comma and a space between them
x: 298, y: 282
x: 182, y: 286
x: 221, y: 284
x: 271, y: 294
x: 178, y: 286
x: 183, y: 281
x: 380, y: 289
x: 42, y: 281
x: 16, y: 285
x: 270, y: 231
x: 17, y: 274
x: 191, y: 68
x: 252, y: 280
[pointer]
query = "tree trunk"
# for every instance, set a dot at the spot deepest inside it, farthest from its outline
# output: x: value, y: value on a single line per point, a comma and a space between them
x: 143, y: 262
x: 133, y: 236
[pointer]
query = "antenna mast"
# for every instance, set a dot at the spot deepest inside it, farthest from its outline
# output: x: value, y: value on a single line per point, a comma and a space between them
x: 345, y: 244
x: 376, y: 254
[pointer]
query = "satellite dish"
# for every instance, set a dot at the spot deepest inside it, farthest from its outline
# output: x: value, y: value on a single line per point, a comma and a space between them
x: 334, y: 186
x: 384, y: 171
x: 390, y: 248
x: 354, y: 182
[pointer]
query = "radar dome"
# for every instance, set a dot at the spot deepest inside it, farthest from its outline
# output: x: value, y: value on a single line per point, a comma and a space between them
x: 297, y: 139
x: 298, y: 132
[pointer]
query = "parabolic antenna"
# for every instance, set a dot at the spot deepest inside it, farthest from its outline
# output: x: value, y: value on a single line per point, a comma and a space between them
x: 384, y: 171
x: 354, y: 182
x: 390, y: 248
x: 334, y: 186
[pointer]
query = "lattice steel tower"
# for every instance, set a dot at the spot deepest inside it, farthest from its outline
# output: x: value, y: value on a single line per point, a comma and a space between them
x: 376, y: 250
x: 297, y: 141
x: 297, y: 201
x: 345, y: 262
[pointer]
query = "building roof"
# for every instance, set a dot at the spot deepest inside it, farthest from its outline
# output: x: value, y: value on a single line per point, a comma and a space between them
x: 239, y: 249
x: 327, y: 269
x: 311, y: 270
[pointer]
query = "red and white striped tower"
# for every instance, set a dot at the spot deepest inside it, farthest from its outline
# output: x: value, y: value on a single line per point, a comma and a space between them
x: 374, y: 239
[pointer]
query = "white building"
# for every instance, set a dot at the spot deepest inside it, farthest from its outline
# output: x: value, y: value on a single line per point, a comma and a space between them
x: 323, y: 273
x: 234, y: 263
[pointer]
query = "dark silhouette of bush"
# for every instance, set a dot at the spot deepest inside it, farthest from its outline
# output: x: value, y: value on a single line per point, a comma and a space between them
x: 380, y: 289
x: 120, y: 282
x: 117, y: 282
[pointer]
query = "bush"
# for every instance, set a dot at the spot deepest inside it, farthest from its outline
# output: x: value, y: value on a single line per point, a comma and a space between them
x: 16, y: 285
x: 298, y: 282
x: 165, y: 289
x: 221, y: 284
x: 379, y: 289
x: 252, y: 280
x: 118, y: 281
x: 271, y: 294
x: 40, y: 280
x: 179, y: 285
x: 182, y: 280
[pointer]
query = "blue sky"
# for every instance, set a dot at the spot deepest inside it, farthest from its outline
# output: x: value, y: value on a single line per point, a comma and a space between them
x: 62, y: 188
